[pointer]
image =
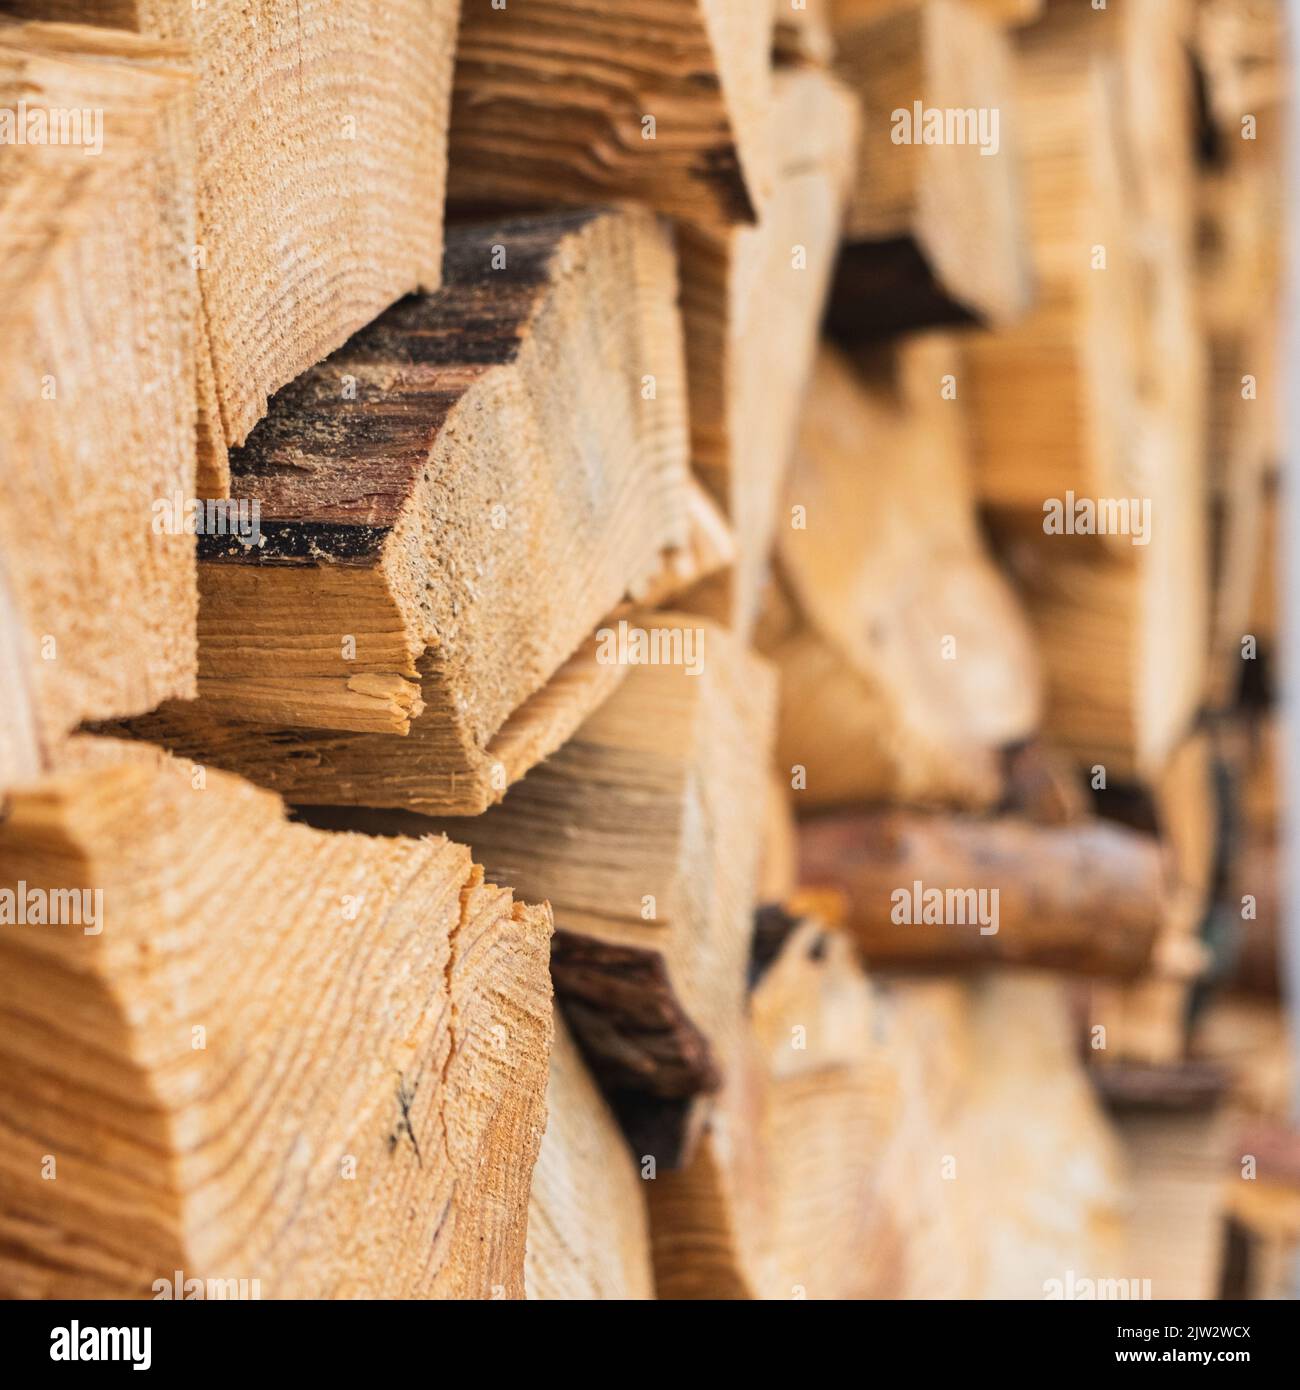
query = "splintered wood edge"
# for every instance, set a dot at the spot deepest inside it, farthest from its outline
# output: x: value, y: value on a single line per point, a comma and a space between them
x: 550, y: 716
x: 264, y: 753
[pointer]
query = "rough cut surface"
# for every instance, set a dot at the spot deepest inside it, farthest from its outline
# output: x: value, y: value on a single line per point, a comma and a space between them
x: 642, y: 832
x: 97, y: 310
x: 322, y: 146
x: 553, y: 97
x: 330, y: 1080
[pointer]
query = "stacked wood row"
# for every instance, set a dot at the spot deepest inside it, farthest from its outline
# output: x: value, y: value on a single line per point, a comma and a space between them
x: 628, y: 797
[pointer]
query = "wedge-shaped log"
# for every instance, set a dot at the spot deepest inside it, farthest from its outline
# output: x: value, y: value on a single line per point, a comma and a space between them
x: 448, y: 506
x: 906, y: 664
x: 97, y: 311
x: 322, y: 153
x: 779, y: 1200
x: 330, y: 1083
x: 587, y: 1228
x: 752, y: 298
x: 936, y: 210
x: 663, y: 101
x: 946, y: 891
x: 1123, y: 663
x: 643, y: 833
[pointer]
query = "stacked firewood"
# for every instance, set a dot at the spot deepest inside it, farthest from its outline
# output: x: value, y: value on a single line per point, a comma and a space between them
x: 638, y: 647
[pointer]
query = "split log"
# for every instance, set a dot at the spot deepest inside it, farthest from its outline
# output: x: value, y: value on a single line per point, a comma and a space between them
x: 1051, y: 1201
x: 1124, y: 667
x: 1114, y: 347
x: 752, y: 299
x: 643, y: 833
x: 665, y: 103
x: 906, y: 666
x: 97, y: 309
x: 347, y: 1112
x: 936, y: 220
x: 1087, y: 417
x: 945, y: 892
x: 779, y: 1200
x: 448, y: 506
x: 322, y: 141
x: 1053, y: 398
x: 587, y: 1229
x: 709, y: 549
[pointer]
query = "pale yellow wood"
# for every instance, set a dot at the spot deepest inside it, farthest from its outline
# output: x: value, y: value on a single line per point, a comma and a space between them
x: 587, y: 1229
x: 974, y: 1216
x: 1176, y: 1165
x: 643, y: 833
x: 779, y: 1200
x: 97, y: 308
x: 752, y: 299
x: 960, y: 204
x: 663, y: 101
x: 1098, y: 396
x: 911, y: 665
x: 514, y: 459
x: 321, y: 130
x: 329, y: 1080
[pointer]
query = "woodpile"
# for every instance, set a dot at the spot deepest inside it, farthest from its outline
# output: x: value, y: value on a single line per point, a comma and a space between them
x: 699, y: 722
